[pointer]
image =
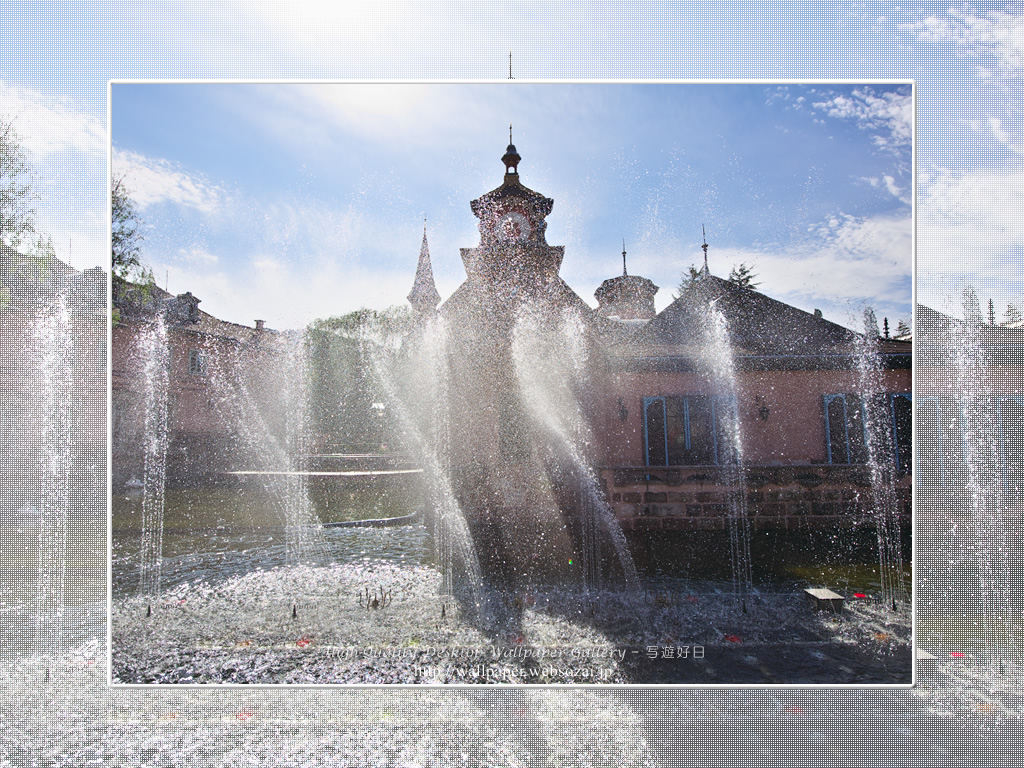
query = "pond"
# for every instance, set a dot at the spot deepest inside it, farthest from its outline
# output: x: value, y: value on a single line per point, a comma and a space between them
x: 367, y: 605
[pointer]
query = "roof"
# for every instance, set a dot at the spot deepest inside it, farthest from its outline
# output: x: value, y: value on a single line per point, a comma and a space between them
x: 28, y: 277
x: 939, y: 337
x: 758, y: 326
x: 512, y: 189
x: 138, y: 303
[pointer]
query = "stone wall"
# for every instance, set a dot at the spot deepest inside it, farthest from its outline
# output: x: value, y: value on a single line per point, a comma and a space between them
x: 699, y: 498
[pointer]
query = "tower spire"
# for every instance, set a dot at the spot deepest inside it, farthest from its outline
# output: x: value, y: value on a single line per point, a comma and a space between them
x: 424, y: 296
x: 705, y: 247
x: 511, y: 157
x: 623, y: 257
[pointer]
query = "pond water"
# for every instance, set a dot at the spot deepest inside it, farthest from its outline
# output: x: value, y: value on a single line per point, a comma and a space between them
x: 365, y: 605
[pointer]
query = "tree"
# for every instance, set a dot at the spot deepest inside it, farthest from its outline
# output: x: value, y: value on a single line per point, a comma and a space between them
x: 343, y: 385
x: 870, y: 324
x: 971, y: 305
x: 743, y: 276
x: 902, y: 329
x: 17, y: 195
x: 687, y: 280
x: 1012, y: 315
x: 991, y: 313
x: 133, y: 281
x: 125, y: 233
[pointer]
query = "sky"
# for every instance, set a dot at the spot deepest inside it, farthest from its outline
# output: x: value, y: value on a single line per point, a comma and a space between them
x: 292, y: 201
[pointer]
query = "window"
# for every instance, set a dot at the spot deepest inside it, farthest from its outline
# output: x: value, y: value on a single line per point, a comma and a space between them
x: 845, y: 436
x: 846, y: 428
x: 931, y: 470
x: 689, y: 430
x: 196, y: 363
x: 1011, y: 445
x: 902, y: 408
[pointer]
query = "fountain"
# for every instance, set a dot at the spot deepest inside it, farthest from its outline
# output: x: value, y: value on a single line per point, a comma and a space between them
x: 266, y: 403
x: 522, y: 406
x: 879, y: 422
x: 55, y: 338
x: 968, y: 446
x: 155, y: 373
x: 719, y: 360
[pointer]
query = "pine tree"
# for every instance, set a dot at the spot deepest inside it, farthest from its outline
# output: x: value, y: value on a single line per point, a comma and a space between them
x: 971, y: 305
x: 870, y: 324
x: 1012, y: 315
x: 991, y: 313
x: 687, y: 280
x: 902, y: 329
x: 743, y: 276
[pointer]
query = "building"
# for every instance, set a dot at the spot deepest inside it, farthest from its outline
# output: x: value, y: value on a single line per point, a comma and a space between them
x: 53, y: 436
x: 970, y: 411
x: 657, y: 407
x: 205, y: 357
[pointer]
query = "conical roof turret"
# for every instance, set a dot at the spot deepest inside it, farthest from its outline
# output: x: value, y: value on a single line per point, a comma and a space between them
x: 424, y: 297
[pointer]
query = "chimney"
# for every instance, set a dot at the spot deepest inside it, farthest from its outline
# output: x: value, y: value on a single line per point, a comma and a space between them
x: 259, y: 325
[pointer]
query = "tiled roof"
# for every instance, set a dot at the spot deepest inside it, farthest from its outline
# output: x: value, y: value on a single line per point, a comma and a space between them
x: 758, y: 325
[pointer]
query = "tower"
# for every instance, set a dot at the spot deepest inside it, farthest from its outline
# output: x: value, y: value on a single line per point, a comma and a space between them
x: 513, y: 260
x: 628, y: 297
x: 507, y: 468
x: 424, y: 297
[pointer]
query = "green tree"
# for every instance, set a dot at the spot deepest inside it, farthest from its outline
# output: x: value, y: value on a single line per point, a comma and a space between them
x: 343, y: 386
x: 125, y: 233
x: 17, y: 193
x: 991, y: 313
x: 133, y: 281
x: 870, y: 324
x: 687, y: 280
x: 902, y: 329
x: 743, y: 276
x: 1012, y: 315
x: 971, y: 305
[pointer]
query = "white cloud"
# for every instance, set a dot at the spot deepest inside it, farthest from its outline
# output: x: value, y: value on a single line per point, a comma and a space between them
x: 153, y: 180
x: 995, y: 39
x: 196, y: 255
x: 970, y: 230
x: 289, y: 294
x: 999, y: 132
x: 889, y: 184
x: 851, y: 262
x: 889, y: 114
x: 48, y: 127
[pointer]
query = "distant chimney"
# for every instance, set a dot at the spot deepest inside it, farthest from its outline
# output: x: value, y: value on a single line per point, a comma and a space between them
x: 259, y: 325
x: 817, y: 313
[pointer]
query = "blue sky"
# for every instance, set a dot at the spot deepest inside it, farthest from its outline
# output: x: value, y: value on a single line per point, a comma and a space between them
x: 294, y: 201
x: 290, y: 202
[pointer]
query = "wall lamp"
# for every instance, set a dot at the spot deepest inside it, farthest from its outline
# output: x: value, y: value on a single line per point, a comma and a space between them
x: 763, y: 410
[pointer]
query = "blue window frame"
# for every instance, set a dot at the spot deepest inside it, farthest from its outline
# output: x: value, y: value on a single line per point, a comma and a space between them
x: 688, y: 430
x: 931, y: 462
x: 1011, y: 444
x: 901, y: 409
x: 845, y: 435
x: 846, y: 429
